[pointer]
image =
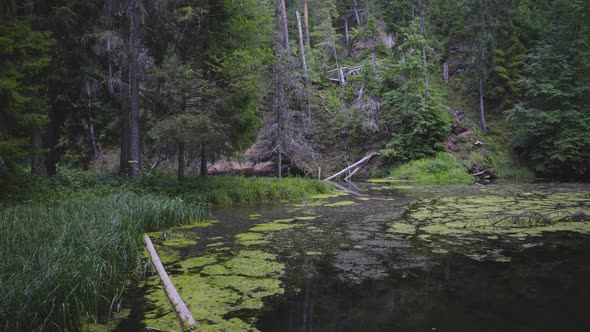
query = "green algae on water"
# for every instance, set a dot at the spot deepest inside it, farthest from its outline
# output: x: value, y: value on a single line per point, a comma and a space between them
x: 388, y: 181
x: 329, y: 195
x: 249, y: 239
x: 224, y: 286
x: 306, y: 218
x: 341, y: 203
x: 467, y: 223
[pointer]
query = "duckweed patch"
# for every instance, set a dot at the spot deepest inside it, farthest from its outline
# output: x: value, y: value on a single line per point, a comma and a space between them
x: 467, y: 223
x: 386, y: 180
x: 306, y: 218
x: 250, y: 239
x: 329, y: 195
x: 216, y: 287
x: 341, y: 203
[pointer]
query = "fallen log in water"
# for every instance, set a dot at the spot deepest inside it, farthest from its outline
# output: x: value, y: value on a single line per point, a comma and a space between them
x: 181, y: 309
x: 357, y: 164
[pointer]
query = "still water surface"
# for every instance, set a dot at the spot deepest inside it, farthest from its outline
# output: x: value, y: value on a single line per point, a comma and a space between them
x: 388, y: 257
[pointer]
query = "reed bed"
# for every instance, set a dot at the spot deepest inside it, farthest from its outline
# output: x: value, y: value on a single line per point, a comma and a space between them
x: 66, y: 264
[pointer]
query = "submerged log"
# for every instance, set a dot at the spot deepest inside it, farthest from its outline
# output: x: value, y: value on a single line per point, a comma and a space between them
x: 181, y: 309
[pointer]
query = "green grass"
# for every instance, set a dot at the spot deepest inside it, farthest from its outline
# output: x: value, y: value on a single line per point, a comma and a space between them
x: 63, y: 264
x: 70, y: 244
x: 441, y: 169
x: 227, y: 190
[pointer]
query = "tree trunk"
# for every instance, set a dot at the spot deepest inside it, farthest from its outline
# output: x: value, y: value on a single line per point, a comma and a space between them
x: 481, y: 107
x: 285, y: 27
x: 181, y: 162
x: 346, y: 33
x: 356, y: 13
x: 90, y: 123
x: 124, y: 123
x: 38, y: 166
x: 52, y: 138
x: 424, y: 59
x: 203, y: 160
x: 303, y: 62
x: 446, y: 72
x: 306, y: 20
x: 404, y: 71
x: 134, y: 147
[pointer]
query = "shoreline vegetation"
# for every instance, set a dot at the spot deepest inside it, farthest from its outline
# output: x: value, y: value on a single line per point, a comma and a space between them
x: 72, y: 243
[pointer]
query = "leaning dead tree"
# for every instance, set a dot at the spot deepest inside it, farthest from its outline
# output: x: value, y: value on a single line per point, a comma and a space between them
x: 340, y: 74
x: 354, y: 167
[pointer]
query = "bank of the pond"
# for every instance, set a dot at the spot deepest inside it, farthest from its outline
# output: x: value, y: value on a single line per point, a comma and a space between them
x: 71, y: 245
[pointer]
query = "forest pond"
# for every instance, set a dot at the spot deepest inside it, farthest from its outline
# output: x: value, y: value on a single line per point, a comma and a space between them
x: 386, y: 256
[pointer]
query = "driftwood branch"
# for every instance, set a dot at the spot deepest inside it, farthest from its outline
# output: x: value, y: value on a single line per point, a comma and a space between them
x: 181, y: 309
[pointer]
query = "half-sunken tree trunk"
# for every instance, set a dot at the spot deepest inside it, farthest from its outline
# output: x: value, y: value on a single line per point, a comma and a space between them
x: 38, y: 159
x: 124, y: 123
x: 203, y: 160
x: 181, y: 162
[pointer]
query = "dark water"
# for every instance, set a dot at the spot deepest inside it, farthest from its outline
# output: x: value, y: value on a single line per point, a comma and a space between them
x: 344, y: 271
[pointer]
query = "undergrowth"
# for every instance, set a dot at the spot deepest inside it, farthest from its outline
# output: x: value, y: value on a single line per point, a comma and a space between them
x: 441, y: 169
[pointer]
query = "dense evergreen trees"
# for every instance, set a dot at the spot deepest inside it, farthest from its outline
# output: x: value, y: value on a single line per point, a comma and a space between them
x: 188, y: 79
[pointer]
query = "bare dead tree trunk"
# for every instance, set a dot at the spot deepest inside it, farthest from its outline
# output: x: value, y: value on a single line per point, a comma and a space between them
x: 306, y: 20
x: 346, y: 33
x: 424, y: 59
x: 181, y: 162
x: 134, y: 41
x: 446, y: 72
x: 303, y: 62
x: 285, y: 27
x: 356, y: 13
x: 203, y: 160
x: 38, y: 166
x: 481, y: 106
x: 124, y: 123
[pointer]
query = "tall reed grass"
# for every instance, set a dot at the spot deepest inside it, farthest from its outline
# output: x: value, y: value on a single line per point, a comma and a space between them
x: 65, y: 264
x: 226, y: 190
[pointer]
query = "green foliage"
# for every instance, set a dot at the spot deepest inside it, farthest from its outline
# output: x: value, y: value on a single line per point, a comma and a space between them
x: 419, y: 124
x: 555, y: 117
x: 442, y: 169
x: 62, y: 262
x: 23, y: 58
